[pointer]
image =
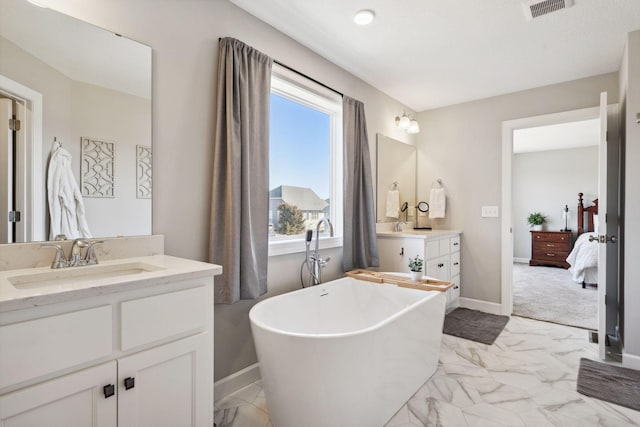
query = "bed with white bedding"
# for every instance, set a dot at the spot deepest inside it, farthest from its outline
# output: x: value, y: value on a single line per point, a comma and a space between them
x: 583, y: 258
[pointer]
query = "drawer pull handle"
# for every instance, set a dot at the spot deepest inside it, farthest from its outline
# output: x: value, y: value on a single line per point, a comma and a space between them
x: 456, y: 244
x: 440, y: 265
x: 550, y: 245
x: 109, y: 390
x: 402, y: 252
x: 551, y: 254
x: 129, y: 383
x: 456, y: 263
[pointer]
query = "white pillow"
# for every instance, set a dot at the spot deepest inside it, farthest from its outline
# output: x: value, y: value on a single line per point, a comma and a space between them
x: 596, y: 224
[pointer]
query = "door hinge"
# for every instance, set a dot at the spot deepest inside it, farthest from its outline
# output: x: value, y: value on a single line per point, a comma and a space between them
x: 14, y: 124
x: 14, y: 216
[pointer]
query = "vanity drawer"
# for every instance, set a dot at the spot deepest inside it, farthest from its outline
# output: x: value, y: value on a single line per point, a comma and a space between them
x: 42, y: 346
x: 455, y: 244
x: 455, y: 264
x: 433, y: 249
x: 150, y: 319
x: 445, y: 245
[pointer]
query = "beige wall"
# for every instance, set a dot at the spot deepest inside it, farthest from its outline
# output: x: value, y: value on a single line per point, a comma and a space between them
x: 184, y: 37
x: 545, y: 182
x: 461, y: 144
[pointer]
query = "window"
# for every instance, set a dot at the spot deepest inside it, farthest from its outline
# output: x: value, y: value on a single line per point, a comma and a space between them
x: 305, y: 162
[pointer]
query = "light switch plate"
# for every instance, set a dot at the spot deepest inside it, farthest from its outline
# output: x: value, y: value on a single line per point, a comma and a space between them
x: 490, y: 212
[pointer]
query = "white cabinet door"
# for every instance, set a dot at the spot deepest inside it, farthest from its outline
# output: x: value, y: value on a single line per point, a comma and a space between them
x: 165, y: 386
x: 387, y: 253
x: 77, y: 399
x: 394, y: 253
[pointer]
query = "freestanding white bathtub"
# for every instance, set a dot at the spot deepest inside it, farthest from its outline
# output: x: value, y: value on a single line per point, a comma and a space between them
x: 345, y: 353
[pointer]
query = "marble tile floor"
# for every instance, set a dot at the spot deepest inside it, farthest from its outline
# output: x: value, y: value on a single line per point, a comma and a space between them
x: 526, y: 378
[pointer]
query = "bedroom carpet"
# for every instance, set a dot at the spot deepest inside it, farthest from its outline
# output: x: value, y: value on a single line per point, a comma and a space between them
x: 549, y: 294
x: 609, y: 383
x: 474, y: 325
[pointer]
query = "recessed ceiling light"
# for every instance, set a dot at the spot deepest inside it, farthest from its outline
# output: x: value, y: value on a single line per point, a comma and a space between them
x: 364, y: 17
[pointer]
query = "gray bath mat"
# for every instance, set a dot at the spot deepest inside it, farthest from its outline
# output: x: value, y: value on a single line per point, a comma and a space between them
x: 610, y: 383
x: 474, y: 325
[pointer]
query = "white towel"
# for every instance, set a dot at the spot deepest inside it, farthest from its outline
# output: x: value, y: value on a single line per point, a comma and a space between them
x: 393, y: 203
x: 437, y: 203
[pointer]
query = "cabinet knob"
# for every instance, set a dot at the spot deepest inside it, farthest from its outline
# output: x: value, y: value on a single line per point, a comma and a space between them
x: 456, y: 263
x: 440, y: 265
x: 456, y: 244
x: 456, y: 287
x: 109, y: 390
x: 129, y: 383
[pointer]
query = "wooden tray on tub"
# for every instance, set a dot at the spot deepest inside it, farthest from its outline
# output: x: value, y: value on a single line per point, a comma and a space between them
x: 403, y: 282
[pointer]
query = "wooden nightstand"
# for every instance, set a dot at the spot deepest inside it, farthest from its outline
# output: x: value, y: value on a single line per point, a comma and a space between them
x: 550, y: 248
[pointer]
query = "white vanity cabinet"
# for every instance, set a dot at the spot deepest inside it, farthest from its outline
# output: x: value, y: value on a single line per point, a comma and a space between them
x: 141, y: 355
x: 440, y: 250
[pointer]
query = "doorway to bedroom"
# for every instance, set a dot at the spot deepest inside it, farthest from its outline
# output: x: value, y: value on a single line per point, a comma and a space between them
x: 552, y: 267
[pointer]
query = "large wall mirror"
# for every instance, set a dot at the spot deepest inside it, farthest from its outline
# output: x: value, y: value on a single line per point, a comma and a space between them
x: 396, y: 167
x: 84, y: 89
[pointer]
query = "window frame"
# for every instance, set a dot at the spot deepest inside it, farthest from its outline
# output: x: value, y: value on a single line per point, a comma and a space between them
x: 294, y: 87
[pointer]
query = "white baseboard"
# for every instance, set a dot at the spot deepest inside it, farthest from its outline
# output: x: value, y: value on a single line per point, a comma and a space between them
x: 630, y: 361
x: 521, y: 260
x: 234, y: 382
x: 476, y: 304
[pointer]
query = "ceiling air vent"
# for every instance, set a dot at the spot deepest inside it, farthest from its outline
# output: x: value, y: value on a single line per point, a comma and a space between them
x: 537, y: 8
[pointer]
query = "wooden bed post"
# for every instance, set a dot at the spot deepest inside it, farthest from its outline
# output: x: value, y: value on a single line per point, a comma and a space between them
x: 580, y: 214
x: 591, y: 211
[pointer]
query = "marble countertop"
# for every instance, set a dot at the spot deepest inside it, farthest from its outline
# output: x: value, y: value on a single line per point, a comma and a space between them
x: 419, y: 234
x: 107, y: 277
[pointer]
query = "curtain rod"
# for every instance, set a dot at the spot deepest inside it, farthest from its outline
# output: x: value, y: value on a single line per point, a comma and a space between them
x: 303, y: 75
x: 308, y: 77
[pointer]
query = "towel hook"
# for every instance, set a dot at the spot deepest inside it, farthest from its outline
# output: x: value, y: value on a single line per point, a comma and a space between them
x: 394, y: 186
x: 437, y: 184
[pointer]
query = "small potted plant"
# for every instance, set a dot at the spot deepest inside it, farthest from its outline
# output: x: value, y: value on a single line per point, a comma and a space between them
x: 415, y: 267
x: 535, y: 220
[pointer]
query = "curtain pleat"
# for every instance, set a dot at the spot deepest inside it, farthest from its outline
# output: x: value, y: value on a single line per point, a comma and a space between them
x: 360, y: 244
x: 240, y: 194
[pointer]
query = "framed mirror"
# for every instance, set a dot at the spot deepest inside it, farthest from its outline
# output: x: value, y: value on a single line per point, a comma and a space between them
x: 396, y: 168
x: 83, y: 89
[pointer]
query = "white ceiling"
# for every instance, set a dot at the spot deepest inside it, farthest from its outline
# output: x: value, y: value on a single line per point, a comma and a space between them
x: 584, y: 133
x: 78, y: 50
x: 429, y: 54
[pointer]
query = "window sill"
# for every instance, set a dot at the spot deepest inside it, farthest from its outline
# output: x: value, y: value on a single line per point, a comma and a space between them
x: 298, y: 245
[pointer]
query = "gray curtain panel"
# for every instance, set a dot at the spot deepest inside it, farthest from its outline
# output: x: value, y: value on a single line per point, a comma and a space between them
x: 240, y: 194
x: 360, y: 244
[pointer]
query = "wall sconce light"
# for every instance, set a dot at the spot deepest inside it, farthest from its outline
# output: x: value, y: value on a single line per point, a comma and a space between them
x: 408, y: 124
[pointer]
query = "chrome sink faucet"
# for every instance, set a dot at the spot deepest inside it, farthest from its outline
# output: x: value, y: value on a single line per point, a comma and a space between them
x: 75, y: 257
x: 397, y: 226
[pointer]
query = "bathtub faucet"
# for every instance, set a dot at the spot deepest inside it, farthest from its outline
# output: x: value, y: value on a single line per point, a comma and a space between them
x: 316, y: 261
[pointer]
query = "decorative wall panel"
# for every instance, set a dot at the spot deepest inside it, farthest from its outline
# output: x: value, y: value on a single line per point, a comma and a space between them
x: 143, y: 172
x: 97, y: 168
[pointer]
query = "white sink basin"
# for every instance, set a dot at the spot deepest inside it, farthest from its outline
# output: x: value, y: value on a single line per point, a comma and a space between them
x: 72, y: 275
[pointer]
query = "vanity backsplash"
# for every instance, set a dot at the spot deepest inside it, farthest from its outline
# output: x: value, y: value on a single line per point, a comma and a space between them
x: 30, y: 255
